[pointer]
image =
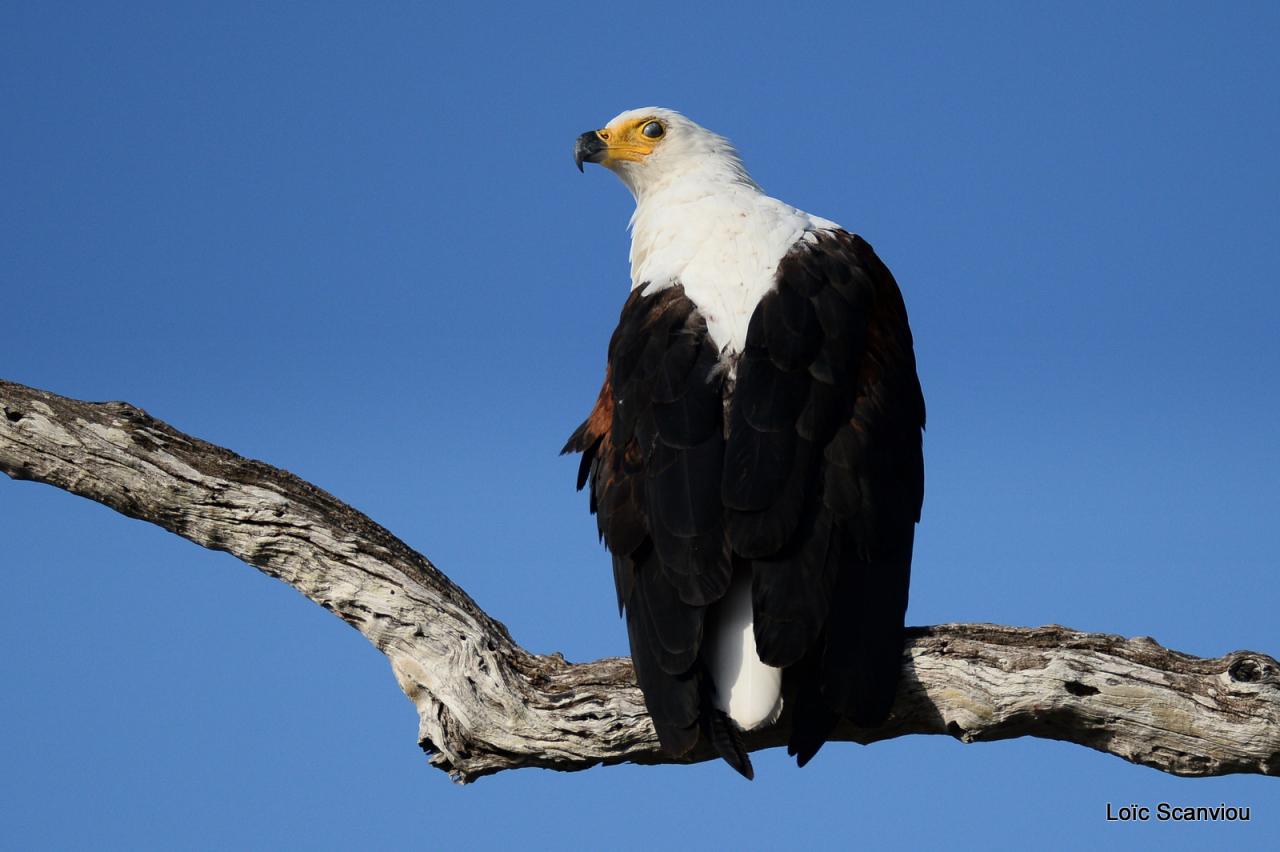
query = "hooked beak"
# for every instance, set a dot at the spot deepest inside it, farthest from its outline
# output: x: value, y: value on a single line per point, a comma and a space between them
x: 589, y: 148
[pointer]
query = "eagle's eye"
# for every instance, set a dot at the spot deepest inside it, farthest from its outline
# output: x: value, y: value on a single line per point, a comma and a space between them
x: 652, y: 129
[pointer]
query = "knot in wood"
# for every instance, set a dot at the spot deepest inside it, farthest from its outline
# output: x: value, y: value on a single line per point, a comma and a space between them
x: 1253, y: 673
x: 1245, y: 671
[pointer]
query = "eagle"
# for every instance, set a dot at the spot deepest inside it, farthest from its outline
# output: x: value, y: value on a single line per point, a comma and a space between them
x: 754, y: 457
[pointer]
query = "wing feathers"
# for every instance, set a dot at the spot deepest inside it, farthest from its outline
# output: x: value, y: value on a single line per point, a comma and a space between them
x: 814, y: 486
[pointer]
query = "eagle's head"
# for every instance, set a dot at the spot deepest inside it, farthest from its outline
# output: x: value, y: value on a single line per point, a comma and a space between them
x: 652, y: 147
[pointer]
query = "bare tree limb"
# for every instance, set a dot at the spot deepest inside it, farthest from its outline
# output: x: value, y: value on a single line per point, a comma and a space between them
x: 485, y: 704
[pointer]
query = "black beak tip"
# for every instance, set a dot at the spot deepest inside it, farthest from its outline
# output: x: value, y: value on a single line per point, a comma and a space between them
x: 588, y: 148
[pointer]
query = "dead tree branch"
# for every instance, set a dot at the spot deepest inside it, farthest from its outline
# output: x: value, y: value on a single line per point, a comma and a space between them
x: 485, y: 704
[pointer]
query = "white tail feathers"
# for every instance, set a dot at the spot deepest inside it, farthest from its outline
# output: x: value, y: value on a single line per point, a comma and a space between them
x: 748, y: 691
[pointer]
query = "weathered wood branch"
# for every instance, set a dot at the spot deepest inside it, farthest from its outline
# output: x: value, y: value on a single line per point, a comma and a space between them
x: 485, y: 704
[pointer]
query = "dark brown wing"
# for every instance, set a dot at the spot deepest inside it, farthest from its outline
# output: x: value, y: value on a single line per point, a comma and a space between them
x: 653, y: 450
x: 824, y: 479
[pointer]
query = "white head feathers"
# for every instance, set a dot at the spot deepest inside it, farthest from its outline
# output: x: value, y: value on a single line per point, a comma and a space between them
x: 685, y: 150
x: 700, y: 220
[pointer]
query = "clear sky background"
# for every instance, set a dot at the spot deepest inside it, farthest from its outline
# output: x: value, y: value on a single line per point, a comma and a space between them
x: 349, y: 240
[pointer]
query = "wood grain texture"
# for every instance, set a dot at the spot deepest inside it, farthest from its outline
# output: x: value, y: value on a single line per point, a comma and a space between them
x: 486, y: 705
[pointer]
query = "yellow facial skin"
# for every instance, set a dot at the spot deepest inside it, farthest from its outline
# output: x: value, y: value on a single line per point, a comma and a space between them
x: 627, y: 143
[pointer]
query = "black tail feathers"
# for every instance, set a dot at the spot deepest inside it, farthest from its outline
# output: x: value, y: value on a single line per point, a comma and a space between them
x: 724, y: 736
x: 809, y: 732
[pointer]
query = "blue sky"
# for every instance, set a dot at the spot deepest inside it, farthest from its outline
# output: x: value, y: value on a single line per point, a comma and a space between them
x: 349, y: 240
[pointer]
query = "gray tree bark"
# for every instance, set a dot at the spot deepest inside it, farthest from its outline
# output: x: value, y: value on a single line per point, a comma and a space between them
x: 485, y: 704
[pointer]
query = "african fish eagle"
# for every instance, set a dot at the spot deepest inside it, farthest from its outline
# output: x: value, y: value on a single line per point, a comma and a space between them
x: 754, y: 457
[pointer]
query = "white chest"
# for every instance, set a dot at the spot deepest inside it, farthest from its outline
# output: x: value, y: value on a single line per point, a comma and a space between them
x: 724, y: 247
